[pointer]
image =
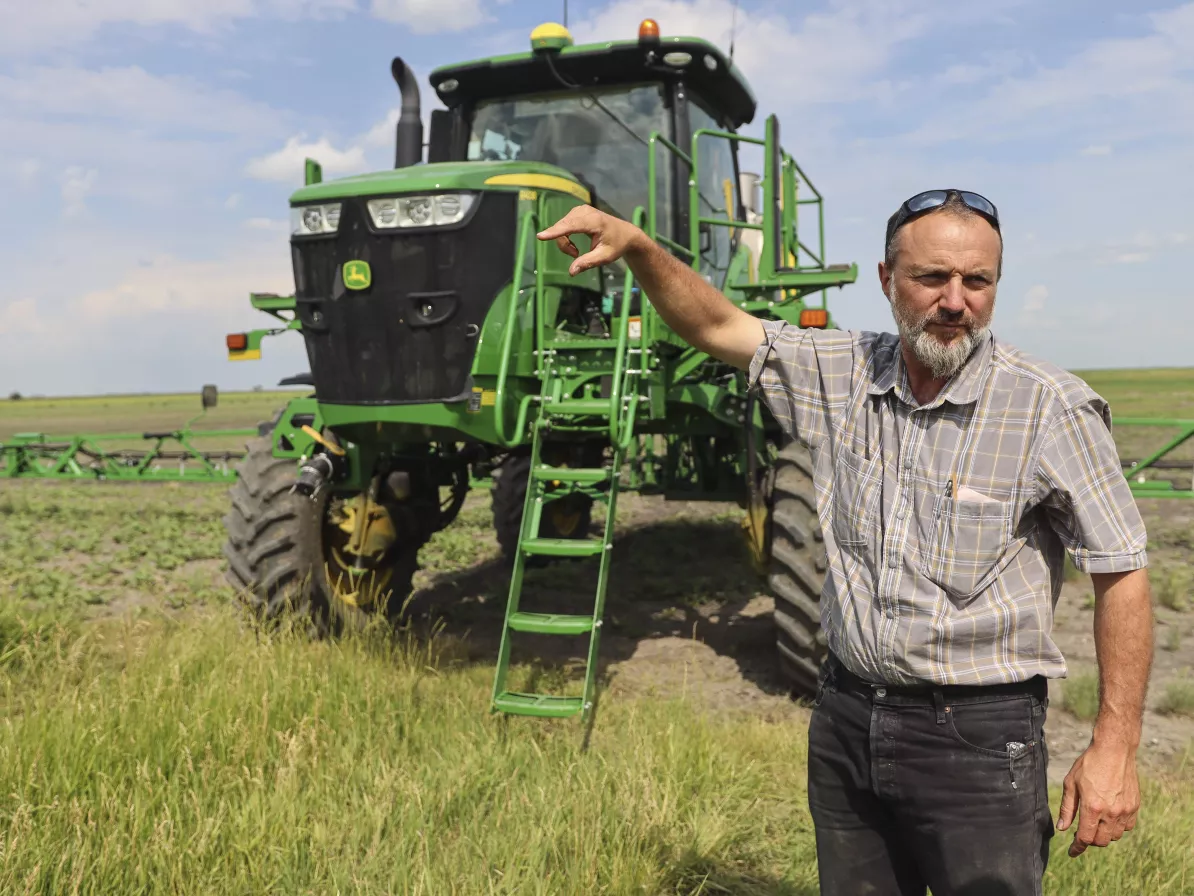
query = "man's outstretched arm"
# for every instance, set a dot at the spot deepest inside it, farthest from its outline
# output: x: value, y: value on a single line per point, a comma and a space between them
x: 1102, y: 786
x: 700, y: 315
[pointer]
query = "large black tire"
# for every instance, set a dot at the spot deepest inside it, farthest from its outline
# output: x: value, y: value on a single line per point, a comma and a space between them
x: 797, y: 568
x: 275, y: 548
x: 567, y: 517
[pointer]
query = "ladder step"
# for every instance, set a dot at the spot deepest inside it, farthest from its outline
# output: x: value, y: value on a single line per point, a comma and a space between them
x: 579, y: 475
x: 551, y: 623
x: 579, y: 406
x: 563, y: 547
x: 542, y: 705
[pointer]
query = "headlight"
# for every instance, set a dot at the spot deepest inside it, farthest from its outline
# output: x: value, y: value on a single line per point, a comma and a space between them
x: 311, y: 219
x: 420, y: 211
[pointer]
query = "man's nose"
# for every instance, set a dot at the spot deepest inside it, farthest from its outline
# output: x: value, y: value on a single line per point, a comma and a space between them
x: 953, y: 296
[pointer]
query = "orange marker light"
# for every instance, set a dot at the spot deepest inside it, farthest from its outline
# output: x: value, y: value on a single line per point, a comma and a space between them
x: 814, y: 318
x: 648, y: 30
x: 237, y: 342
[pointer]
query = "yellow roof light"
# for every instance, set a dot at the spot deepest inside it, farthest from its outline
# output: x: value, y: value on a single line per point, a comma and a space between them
x: 550, y: 36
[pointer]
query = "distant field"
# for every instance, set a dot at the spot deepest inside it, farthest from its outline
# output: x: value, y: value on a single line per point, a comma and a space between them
x: 108, y: 414
x: 1161, y: 392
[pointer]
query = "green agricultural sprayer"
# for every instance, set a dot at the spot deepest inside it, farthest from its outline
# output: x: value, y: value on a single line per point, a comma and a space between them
x: 450, y: 349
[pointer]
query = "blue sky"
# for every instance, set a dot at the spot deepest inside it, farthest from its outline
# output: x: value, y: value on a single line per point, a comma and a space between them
x: 148, y: 147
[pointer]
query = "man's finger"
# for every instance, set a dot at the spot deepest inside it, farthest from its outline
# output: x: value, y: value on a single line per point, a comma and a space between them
x: 573, y: 222
x: 596, y: 256
x: 568, y: 247
x: 1069, y: 803
x: 1088, y: 827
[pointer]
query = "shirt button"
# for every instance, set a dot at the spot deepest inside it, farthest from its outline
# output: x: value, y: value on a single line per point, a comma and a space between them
x: 908, y: 462
x: 881, y: 692
x: 893, y: 561
x: 901, y: 513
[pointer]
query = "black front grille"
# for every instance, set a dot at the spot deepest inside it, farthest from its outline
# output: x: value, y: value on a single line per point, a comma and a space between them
x: 412, y: 334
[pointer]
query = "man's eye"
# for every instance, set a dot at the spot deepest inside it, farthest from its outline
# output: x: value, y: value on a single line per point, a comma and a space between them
x: 977, y: 282
x: 931, y: 279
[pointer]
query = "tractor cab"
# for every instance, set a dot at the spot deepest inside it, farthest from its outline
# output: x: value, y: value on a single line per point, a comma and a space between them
x: 593, y: 110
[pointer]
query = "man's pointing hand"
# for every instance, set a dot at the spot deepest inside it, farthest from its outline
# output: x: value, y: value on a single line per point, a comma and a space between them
x: 611, y: 237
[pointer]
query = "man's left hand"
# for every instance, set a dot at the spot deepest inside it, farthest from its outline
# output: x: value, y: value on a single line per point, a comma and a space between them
x: 1103, y: 788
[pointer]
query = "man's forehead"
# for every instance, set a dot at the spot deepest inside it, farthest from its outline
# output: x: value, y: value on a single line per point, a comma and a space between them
x: 943, y: 237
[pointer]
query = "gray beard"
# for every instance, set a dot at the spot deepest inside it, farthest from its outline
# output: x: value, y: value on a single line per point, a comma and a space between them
x: 942, y: 360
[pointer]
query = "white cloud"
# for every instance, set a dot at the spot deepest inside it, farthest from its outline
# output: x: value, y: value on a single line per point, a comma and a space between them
x: 77, y: 182
x: 171, y: 286
x: 28, y: 170
x: 20, y: 318
x: 271, y: 224
x: 1034, y: 299
x: 83, y: 305
x: 431, y: 16
x: 131, y: 96
x: 33, y: 27
x: 1146, y: 79
x: 1131, y: 257
x: 836, y: 55
x: 232, y: 201
x: 287, y: 163
x: 1097, y: 150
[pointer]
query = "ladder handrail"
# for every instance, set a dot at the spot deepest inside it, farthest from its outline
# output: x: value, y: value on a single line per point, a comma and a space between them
x: 499, y: 404
x: 617, y: 421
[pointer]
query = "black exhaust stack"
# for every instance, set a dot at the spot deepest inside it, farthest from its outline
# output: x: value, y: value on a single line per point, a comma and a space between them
x: 408, y: 149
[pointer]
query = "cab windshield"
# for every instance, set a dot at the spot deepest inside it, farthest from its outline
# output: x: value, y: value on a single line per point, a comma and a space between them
x: 572, y: 131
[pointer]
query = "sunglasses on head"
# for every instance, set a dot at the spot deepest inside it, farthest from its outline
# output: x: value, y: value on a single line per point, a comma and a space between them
x: 931, y: 199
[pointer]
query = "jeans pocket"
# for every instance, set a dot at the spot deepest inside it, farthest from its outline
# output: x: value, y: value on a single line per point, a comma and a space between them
x: 1000, y: 728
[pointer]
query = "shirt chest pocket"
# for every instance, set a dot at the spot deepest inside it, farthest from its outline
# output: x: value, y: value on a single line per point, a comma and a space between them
x: 856, y: 482
x: 964, y: 542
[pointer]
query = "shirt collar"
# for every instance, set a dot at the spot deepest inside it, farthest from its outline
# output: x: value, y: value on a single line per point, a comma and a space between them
x: 963, y: 388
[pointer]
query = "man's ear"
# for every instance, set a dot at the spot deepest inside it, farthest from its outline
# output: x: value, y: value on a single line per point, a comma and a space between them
x: 885, y: 280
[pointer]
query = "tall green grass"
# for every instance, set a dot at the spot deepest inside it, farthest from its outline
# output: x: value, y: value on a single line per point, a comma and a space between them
x: 196, y: 756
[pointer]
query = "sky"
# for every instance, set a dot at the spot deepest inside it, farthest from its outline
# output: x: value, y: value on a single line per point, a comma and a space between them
x: 148, y: 149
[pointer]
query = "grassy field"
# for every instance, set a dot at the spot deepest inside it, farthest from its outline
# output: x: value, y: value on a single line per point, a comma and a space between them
x: 152, y: 741
x: 189, y: 757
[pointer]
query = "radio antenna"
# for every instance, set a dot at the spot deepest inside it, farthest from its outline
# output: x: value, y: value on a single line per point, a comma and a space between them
x: 565, y: 13
x: 733, y: 27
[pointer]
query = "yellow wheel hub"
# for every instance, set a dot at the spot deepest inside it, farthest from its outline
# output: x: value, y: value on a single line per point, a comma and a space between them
x: 358, y: 537
x: 563, y: 521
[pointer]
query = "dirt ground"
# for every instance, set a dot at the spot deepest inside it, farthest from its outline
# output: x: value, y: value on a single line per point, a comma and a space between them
x: 686, y: 614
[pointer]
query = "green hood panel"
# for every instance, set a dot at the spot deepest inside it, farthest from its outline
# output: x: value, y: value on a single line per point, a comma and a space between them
x: 443, y: 176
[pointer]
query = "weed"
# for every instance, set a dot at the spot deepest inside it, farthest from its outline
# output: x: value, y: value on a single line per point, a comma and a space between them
x: 1173, y: 639
x: 1080, y: 695
x: 1173, y: 588
x: 1178, y: 699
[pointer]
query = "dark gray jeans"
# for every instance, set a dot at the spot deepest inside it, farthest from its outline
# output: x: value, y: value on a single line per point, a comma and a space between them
x: 942, y: 788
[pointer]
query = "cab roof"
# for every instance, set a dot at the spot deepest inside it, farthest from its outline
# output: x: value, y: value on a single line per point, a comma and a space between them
x: 709, y: 73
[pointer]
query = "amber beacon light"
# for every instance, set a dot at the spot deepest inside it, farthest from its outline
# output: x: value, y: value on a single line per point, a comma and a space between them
x: 648, y: 31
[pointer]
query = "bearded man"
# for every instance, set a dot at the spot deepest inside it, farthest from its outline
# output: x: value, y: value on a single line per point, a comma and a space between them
x: 953, y: 474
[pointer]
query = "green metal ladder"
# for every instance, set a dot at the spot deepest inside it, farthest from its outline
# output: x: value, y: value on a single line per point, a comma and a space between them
x: 613, y: 415
x: 589, y: 481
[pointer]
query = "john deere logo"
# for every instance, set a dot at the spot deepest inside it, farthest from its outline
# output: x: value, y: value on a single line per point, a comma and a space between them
x: 357, y: 275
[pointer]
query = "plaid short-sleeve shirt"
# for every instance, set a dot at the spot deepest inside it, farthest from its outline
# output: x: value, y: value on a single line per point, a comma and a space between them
x: 947, y: 524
